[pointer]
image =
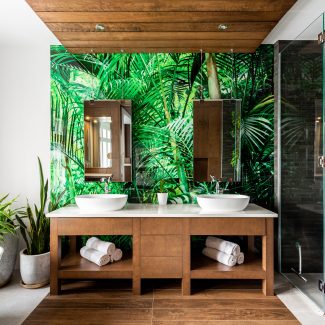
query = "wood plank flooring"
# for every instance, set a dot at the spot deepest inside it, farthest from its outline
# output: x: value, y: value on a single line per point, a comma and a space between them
x: 161, y: 303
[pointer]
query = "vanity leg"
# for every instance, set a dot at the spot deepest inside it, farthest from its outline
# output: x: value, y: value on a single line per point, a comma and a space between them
x: 186, y: 280
x: 251, y: 243
x: 55, y: 258
x: 268, y: 258
x: 136, y: 280
x: 73, y: 244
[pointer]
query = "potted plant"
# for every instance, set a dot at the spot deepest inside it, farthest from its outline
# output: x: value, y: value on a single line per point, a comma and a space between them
x: 8, y: 239
x: 162, y: 195
x: 35, y: 258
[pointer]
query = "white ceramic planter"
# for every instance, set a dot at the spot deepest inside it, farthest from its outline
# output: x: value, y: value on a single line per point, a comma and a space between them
x: 8, y: 255
x: 162, y: 198
x: 34, y: 269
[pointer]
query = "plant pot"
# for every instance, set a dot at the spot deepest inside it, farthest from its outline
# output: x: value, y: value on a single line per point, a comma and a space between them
x: 162, y: 198
x: 8, y: 255
x: 34, y: 269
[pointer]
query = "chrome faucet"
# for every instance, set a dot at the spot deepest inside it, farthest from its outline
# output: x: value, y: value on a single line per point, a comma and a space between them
x: 215, y: 180
x: 107, y: 180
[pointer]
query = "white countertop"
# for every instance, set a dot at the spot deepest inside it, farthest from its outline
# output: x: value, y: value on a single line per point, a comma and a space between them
x: 169, y: 211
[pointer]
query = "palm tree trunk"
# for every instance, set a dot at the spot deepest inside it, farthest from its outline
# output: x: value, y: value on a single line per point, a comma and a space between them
x: 69, y: 181
x: 213, y: 82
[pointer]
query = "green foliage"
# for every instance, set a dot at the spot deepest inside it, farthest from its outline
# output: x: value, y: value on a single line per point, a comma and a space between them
x: 36, y: 233
x: 161, y: 186
x: 7, y: 217
x: 162, y: 88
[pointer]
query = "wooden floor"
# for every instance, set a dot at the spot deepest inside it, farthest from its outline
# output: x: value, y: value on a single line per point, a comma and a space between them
x: 161, y: 304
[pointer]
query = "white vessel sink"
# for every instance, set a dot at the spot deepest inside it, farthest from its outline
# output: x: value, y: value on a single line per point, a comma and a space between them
x: 101, y: 202
x: 223, y: 202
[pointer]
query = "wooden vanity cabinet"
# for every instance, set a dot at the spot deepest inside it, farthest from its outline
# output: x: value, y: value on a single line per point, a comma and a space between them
x: 161, y: 249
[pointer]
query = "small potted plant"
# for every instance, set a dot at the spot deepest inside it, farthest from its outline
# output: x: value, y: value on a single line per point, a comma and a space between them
x: 35, y: 258
x: 162, y: 195
x: 8, y: 239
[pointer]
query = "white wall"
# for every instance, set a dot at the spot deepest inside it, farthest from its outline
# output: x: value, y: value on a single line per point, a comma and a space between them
x: 296, y: 20
x: 24, y: 99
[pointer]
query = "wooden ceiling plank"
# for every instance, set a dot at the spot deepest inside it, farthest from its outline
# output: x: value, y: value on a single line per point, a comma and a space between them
x: 160, y: 5
x: 161, y: 17
x: 82, y: 50
x: 162, y: 27
x: 163, y: 43
x: 147, y: 36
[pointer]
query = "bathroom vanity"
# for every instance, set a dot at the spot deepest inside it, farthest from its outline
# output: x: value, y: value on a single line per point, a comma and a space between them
x: 161, y: 244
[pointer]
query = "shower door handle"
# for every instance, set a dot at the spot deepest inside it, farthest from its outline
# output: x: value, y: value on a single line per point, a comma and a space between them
x: 298, y: 246
x: 321, y: 161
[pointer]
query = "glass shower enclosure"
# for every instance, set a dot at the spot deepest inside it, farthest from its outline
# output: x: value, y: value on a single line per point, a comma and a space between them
x: 299, y: 162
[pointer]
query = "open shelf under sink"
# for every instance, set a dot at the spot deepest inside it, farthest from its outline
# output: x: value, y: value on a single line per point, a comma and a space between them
x: 203, y: 267
x: 73, y: 266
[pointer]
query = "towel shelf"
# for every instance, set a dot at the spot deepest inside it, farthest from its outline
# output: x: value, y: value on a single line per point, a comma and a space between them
x: 74, y: 266
x: 206, y: 268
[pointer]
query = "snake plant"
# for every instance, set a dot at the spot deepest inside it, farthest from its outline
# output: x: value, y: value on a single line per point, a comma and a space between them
x: 36, y: 234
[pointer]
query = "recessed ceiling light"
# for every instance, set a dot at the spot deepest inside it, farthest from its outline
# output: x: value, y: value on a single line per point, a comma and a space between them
x: 100, y: 28
x: 223, y: 27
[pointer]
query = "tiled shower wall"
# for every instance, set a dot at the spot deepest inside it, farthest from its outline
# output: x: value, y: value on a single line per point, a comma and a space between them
x: 298, y: 80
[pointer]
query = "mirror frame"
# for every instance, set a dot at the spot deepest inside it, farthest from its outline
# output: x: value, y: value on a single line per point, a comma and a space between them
x: 121, y: 171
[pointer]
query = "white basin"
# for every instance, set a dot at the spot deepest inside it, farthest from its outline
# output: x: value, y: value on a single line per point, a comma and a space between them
x: 101, y: 202
x: 223, y: 202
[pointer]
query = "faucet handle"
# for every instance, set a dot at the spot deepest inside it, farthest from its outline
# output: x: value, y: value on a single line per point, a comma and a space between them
x: 213, y: 179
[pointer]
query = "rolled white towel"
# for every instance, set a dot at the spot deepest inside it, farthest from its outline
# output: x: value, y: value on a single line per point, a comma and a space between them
x: 223, y: 245
x: 94, y: 256
x: 117, y: 255
x: 240, y: 258
x: 221, y: 257
x: 100, y: 245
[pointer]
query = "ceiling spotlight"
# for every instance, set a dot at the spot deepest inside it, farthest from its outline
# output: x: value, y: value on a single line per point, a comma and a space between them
x: 100, y: 28
x: 223, y: 27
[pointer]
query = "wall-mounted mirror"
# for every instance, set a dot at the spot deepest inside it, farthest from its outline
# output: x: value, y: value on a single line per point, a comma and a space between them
x: 216, y: 133
x: 108, y: 140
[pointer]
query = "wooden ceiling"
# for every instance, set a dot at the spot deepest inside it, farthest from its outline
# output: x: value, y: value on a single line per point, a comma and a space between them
x: 160, y: 25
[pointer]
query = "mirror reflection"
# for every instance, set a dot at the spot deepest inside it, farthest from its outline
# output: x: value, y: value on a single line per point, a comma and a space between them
x: 216, y: 132
x: 108, y: 140
x: 98, y: 145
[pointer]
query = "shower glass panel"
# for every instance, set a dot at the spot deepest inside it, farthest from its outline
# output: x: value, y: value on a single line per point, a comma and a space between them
x: 301, y: 133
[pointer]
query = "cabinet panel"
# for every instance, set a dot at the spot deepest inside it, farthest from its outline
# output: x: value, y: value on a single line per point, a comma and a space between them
x: 227, y: 226
x: 161, y: 226
x: 161, y: 267
x: 95, y: 226
x: 161, y: 245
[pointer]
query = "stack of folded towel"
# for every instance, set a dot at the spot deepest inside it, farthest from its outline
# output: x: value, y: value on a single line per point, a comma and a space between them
x: 100, y: 252
x: 223, y: 251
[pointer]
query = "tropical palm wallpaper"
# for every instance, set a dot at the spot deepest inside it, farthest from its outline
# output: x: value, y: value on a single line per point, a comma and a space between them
x: 162, y: 88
